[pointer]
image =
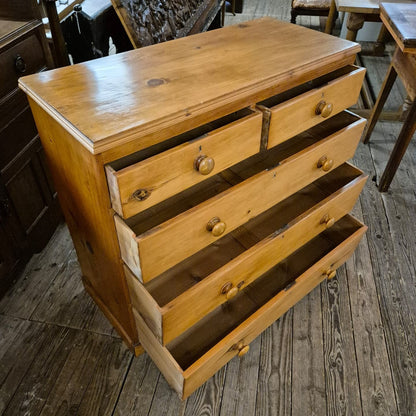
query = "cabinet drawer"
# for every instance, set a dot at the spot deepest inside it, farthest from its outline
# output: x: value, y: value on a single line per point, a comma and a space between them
x: 24, y: 58
x: 156, y: 240
x: 217, y: 273
x: 297, y: 110
x: 202, y: 153
x: 189, y: 360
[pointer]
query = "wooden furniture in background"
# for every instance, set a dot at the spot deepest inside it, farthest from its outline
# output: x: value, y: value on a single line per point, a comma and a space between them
x: 149, y: 22
x: 314, y: 8
x: 29, y: 211
x: 400, y: 21
x: 199, y: 220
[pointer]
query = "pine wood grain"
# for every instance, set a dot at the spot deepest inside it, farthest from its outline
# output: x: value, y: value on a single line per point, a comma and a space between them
x: 89, y: 114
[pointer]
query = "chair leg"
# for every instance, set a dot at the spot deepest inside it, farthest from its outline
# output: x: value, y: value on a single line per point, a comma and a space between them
x: 293, y: 15
x: 332, y: 15
x: 406, y: 134
x: 381, y: 99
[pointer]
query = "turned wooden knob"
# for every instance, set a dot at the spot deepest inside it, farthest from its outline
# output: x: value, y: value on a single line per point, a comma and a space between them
x: 328, y: 221
x: 204, y: 164
x: 325, y: 164
x: 216, y: 226
x: 242, y: 349
x: 229, y: 290
x: 323, y: 109
x: 330, y: 274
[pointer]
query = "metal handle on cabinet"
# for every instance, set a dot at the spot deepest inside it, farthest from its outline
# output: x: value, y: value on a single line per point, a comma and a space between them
x: 20, y: 64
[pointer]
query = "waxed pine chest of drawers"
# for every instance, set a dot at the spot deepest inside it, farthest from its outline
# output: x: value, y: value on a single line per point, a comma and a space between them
x: 205, y: 183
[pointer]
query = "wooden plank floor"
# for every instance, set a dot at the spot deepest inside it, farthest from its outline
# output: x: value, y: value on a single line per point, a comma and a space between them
x: 349, y: 348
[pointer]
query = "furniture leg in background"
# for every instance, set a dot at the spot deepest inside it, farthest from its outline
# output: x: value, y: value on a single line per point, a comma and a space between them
x: 400, y: 21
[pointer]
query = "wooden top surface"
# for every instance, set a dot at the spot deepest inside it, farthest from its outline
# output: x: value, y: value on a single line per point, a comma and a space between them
x: 116, y: 99
x: 360, y: 6
x: 12, y: 28
x: 400, y: 20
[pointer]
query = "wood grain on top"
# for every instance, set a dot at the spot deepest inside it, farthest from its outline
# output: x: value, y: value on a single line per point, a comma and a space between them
x: 119, y: 98
x: 400, y: 19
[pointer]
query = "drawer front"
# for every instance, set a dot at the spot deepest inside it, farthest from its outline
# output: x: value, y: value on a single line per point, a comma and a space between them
x: 144, y: 184
x: 155, y: 251
x: 172, y: 319
x: 187, y: 380
x: 301, y: 113
x: 24, y: 58
x: 15, y: 136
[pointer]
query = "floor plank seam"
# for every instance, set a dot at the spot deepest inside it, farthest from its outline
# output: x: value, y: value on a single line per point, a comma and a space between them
x: 122, y: 385
x: 323, y: 350
x: 353, y: 334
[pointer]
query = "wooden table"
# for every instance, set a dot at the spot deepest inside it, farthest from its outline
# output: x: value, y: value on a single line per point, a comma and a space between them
x: 400, y: 21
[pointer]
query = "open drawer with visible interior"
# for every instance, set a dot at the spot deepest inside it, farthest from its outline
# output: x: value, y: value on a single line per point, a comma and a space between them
x: 143, y: 179
x: 190, y: 359
x: 217, y: 273
x: 163, y: 236
x: 300, y: 108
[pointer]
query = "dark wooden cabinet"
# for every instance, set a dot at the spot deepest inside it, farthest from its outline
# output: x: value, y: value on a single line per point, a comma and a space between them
x: 29, y: 211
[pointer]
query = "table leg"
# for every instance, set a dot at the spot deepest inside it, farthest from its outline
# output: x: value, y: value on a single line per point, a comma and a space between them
x: 406, y: 134
x: 354, y: 23
x: 381, y: 99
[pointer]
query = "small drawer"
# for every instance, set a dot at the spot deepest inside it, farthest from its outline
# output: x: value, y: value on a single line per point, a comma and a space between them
x: 163, y: 236
x: 192, y: 358
x: 309, y: 104
x: 140, y: 181
x: 23, y: 58
x: 217, y: 273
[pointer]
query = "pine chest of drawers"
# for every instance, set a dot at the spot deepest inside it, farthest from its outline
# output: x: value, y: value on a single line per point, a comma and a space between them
x: 205, y: 183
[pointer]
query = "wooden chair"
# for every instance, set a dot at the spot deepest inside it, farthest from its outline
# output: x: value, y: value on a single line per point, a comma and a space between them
x: 314, y: 8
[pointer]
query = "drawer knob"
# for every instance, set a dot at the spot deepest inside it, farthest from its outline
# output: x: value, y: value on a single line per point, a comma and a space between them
x: 229, y: 290
x: 20, y: 64
x: 325, y: 164
x: 216, y: 226
x: 323, y: 109
x: 204, y: 164
x: 328, y: 221
x: 330, y: 274
x: 242, y: 349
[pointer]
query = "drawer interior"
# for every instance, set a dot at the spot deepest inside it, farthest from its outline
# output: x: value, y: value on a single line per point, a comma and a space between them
x: 308, y: 86
x: 194, y: 343
x: 188, y: 273
x: 211, y: 187
x: 180, y: 139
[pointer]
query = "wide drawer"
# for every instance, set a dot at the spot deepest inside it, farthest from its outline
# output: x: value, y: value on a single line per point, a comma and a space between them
x: 161, y: 237
x: 309, y: 104
x: 140, y: 181
x: 196, y: 355
x: 217, y: 273
x: 23, y: 58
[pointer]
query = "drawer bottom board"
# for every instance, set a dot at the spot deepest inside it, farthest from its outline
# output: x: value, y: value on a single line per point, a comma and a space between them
x: 189, y: 360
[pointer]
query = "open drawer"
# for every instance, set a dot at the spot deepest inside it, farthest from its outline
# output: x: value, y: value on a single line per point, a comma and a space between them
x: 218, y: 272
x: 163, y: 236
x: 150, y: 176
x: 301, y: 108
x: 189, y: 360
